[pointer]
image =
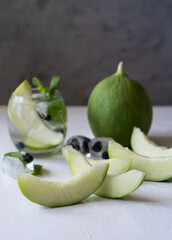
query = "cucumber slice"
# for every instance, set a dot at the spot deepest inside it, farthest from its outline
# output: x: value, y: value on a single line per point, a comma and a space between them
x: 116, y: 165
x: 141, y: 144
x: 156, y: 169
x: 113, y: 186
x: 22, y: 113
x: 62, y: 193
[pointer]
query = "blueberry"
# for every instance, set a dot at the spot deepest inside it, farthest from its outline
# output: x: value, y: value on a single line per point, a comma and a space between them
x: 61, y: 130
x: 80, y: 143
x: 28, y: 158
x: 48, y: 118
x: 97, y: 146
x: 105, y: 155
x: 20, y: 145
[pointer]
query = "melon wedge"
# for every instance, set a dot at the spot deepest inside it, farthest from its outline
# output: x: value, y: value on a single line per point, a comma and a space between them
x: 116, y: 165
x: 113, y: 186
x: 62, y: 193
x: 156, y: 169
x: 22, y: 113
x: 121, y: 185
x: 141, y: 144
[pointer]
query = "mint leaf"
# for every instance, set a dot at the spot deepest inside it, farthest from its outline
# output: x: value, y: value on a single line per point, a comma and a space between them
x: 53, y: 85
x: 37, y: 169
x: 16, y: 155
x: 57, y: 111
x: 39, y: 85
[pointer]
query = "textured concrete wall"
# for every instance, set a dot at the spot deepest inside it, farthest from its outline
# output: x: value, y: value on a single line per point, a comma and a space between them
x: 83, y: 41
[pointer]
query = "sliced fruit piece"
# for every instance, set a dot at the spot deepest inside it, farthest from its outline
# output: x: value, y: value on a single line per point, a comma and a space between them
x: 116, y: 165
x: 113, y: 186
x: 22, y: 113
x: 121, y: 185
x: 156, y: 169
x: 77, y: 162
x: 65, y: 152
x: 32, y: 144
x: 62, y: 193
x: 141, y: 144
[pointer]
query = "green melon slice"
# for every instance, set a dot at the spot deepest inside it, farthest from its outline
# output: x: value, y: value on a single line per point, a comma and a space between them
x: 141, y: 144
x: 113, y: 186
x: 22, y: 113
x: 156, y: 169
x: 121, y: 185
x: 62, y: 193
x: 116, y: 165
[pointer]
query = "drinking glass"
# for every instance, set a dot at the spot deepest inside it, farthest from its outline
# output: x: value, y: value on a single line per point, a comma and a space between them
x: 38, y: 125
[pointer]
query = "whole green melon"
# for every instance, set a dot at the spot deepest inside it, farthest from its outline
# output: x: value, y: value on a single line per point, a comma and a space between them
x: 116, y: 105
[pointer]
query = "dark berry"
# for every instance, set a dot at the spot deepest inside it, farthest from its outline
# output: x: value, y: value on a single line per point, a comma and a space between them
x: 105, y: 155
x: 48, y: 118
x: 97, y: 146
x: 20, y: 145
x: 28, y: 158
x: 61, y: 130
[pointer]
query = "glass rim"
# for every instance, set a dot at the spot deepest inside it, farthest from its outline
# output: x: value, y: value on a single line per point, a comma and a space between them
x: 39, y: 97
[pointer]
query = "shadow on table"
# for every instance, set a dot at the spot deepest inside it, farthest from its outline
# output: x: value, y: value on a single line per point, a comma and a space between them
x: 90, y: 199
x: 45, y: 172
x: 137, y: 198
x: 93, y: 199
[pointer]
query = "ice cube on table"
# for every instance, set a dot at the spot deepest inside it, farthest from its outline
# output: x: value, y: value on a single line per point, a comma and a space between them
x: 79, y: 143
x: 98, y: 147
x: 12, y: 166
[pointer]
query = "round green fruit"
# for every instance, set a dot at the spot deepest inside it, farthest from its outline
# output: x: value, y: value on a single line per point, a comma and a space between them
x: 116, y: 105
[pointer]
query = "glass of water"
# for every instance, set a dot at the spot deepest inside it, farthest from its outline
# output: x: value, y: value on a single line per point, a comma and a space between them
x: 37, y: 124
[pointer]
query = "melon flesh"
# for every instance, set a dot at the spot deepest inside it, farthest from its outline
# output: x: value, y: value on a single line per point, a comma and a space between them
x: 62, y: 193
x: 113, y: 186
x: 22, y: 113
x: 121, y: 185
x: 116, y: 165
x: 141, y: 144
x: 156, y: 168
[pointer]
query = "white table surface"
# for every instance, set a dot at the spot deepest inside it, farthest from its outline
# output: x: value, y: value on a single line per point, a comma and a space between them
x: 143, y: 214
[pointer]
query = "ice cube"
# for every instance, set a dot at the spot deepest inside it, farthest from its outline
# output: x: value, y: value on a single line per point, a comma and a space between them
x: 98, y: 147
x: 80, y: 143
x: 13, y: 166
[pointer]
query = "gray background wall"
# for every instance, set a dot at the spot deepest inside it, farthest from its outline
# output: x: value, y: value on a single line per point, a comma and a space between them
x: 83, y: 41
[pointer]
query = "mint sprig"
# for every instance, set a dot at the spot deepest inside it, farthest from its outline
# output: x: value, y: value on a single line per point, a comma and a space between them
x: 57, y: 111
x: 37, y: 169
x: 39, y: 85
x: 53, y: 85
